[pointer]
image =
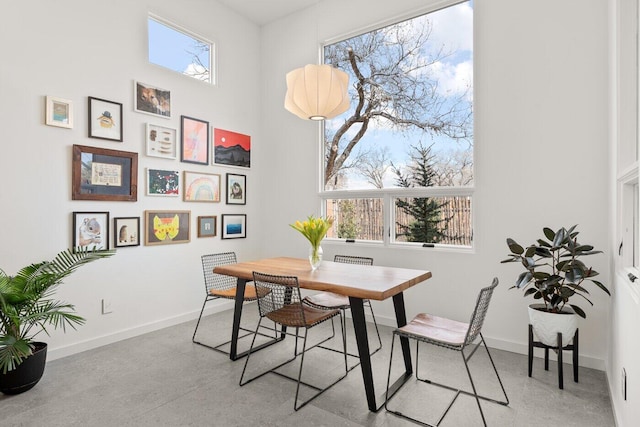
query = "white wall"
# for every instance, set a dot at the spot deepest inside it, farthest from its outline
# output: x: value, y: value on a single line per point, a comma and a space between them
x: 541, y: 93
x: 624, y: 348
x: 74, y: 49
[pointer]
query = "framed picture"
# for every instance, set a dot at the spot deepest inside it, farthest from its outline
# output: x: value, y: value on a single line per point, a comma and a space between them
x: 234, y: 226
x: 231, y: 148
x: 236, y: 189
x: 166, y: 227
x: 91, y: 230
x: 150, y: 99
x: 105, y: 119
x: 163, y: 183
x: 161, y: 141
x: 195, y: 140
x: 59, y: 112
x: 201, y: 187
x: 207, y: 226
x: 126, y: 231
x: 101, y: 174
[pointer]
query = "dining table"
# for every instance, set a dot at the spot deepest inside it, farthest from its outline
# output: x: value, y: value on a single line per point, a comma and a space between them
x: 358, y: 282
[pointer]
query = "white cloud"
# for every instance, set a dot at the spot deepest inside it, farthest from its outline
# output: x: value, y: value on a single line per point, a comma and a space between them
x: 453, y: 27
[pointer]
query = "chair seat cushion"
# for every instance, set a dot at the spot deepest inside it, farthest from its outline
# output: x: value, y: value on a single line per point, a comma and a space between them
x: 435, y: 329
x: 230, y: 293
x: 291, y: 315
x: 328, y: 300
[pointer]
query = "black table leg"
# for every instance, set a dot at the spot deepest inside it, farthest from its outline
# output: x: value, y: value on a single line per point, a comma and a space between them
x: 237, y: 315
x: 401, y: 319
x: 360, y: 327
x: 235, y: 331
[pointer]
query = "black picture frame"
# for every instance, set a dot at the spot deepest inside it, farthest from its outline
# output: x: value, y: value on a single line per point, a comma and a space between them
x: 126, y: 231
x: 234, y: 226
x: 105, y: 119
x: 91, y: 230
x: 236, y: 193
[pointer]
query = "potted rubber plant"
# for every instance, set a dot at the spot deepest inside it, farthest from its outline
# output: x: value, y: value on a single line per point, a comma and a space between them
x: 27, y: 308
x: 556, y: 276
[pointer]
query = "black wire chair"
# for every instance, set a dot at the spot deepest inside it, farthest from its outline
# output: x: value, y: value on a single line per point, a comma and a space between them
x: 331, y: 301
x: 279, y: 300
x: 454, y: 336
x: 219, y: 286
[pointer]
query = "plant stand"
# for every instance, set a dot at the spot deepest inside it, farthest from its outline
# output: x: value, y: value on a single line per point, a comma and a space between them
x: 559, y: 348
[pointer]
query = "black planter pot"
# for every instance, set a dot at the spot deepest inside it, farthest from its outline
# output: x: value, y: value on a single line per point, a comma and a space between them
x: 27, y: 374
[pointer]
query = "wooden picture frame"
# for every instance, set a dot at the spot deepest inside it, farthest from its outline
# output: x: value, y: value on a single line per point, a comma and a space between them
x: 161, y: 141
x: 207, y: 226
x: 105, y: 119
x: 164, y: 227
x: 231, y: 148
x: 234, y: 226
x: 102, y: 174
x: 201, y: 187
x: 236, y: 189
x: 194, y: 140
x: 126, y: 231
x: 58, y: 112
x: 162, y: 182
x: 91, y: 230
x: 149, y: 99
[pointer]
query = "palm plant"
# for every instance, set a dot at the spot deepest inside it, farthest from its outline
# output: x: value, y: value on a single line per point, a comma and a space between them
x: 27, y: 306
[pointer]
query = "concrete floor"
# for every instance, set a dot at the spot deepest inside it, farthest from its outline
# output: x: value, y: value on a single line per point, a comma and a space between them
x: 162, y: 379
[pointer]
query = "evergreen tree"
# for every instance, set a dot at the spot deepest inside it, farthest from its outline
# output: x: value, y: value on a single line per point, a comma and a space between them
x: 427, y: 226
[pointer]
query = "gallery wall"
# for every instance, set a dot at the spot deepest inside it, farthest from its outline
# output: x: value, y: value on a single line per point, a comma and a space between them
x: 75, y: 49
x: 541, y: 109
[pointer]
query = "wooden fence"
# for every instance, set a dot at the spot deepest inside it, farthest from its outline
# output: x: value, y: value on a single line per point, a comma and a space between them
x: 368, y: 217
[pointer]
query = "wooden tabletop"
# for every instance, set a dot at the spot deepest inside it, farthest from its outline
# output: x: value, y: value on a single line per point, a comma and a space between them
x: 360, y: 281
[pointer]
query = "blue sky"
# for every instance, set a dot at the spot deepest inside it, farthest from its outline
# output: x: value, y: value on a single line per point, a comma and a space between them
x: 452, y: 28
x: 170, y: 48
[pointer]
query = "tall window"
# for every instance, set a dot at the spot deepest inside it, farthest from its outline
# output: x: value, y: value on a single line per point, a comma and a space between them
x: 398, y: 165
x: 180, y: 50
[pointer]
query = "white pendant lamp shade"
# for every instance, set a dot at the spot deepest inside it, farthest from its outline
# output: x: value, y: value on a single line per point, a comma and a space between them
x: 317, y: 92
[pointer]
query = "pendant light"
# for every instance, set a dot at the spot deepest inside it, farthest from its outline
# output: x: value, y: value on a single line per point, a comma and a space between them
x: 317, y: 92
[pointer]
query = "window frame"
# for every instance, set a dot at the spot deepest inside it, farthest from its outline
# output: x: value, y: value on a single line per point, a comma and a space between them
x: 388, y: 194
x: 213, y: 59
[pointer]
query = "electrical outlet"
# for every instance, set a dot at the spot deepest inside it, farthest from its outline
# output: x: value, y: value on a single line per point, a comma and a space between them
x: 624, y: 384
x: 106, y: 306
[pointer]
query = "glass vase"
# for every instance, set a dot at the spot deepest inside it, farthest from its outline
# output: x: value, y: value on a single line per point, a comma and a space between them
x: 315, y: 256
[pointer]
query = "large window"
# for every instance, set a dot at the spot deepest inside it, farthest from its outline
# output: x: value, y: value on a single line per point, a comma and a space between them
x: 179, y: 50
x: 398, y: 165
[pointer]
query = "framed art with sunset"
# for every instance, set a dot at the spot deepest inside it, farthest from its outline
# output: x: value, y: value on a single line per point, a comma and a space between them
x: 231, y: 148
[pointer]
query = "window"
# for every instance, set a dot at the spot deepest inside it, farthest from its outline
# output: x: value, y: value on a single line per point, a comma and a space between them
x: 398, y: 165
x: 627, y: 166
x: 179, y: 50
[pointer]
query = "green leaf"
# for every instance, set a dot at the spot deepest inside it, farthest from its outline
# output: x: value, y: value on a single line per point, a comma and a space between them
x: 530, y: 291
x: 530, y: 252
x: 515, y: 247
x: 543, y: 252
x: 560, y: 238
x: 549, y: 234
x: 544, y: 243
x: 601, y: 286
x: 578, y: 311
x: 541, y: 275
x: 523, y: 279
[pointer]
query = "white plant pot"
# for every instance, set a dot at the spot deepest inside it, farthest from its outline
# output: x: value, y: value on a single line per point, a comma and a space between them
x: 546, y: 325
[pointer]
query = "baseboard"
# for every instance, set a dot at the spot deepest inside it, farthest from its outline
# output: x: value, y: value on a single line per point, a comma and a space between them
x: 56, y: 353
x: 68, y: 350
